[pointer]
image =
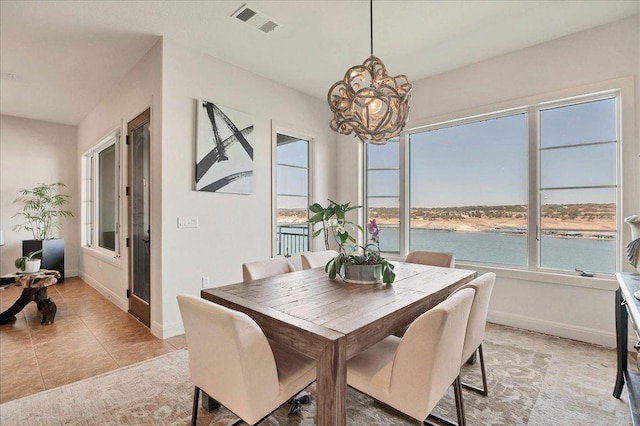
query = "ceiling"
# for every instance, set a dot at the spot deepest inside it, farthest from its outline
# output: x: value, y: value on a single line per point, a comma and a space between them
x: 65, y: 56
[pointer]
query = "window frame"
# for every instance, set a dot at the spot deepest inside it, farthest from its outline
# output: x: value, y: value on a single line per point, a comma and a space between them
x: 90, y: 191
x: 283, y: 129
x: 401, y: 185
x: 531, y: 106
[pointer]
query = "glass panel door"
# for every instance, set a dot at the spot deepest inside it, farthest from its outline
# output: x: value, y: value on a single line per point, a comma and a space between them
x: 139, y: 226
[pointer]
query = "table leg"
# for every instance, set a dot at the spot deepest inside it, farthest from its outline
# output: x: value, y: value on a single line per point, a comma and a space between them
x: 45, y: 305
x: 331, y: 384
x: 621, y: 342
x: 30, y: 294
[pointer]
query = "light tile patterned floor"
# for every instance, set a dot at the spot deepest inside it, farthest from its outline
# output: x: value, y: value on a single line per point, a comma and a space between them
x: 90, y: 336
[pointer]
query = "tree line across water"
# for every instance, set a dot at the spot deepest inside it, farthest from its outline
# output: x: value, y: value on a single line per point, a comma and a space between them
x: 584, y: 212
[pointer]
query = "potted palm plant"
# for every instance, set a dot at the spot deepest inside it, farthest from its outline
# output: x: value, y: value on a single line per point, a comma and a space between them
x: 354, y: 263
x: 42, y: 208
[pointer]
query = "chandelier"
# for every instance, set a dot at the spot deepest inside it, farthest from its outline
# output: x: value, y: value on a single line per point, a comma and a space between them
x: 368, y: 101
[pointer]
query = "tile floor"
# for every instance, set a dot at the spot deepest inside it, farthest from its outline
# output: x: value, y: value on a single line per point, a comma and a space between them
x: 90, y: 336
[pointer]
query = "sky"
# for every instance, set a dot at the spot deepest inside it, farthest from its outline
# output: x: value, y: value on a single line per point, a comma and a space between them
x: 486, y: 162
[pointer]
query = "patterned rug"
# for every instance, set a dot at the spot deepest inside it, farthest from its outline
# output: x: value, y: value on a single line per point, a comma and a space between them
x: 159, y: 392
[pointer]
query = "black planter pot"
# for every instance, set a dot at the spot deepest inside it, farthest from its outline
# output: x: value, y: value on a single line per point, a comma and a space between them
x: 52, y: 253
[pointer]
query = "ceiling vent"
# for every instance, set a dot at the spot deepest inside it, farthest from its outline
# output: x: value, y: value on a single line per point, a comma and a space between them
x: 250, y: 16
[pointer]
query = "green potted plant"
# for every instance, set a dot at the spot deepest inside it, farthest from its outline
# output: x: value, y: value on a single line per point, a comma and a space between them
x: 27, y: 264
x: 354, y: 263
x: 42, y: 208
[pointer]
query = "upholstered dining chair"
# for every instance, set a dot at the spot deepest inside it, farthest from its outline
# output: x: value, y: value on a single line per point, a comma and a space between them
x: 315, y: 259
x: 413, y: 373
x: 233, y: 362
x: 266, y: 268
x: 474, y: 336
x: 433, y: 258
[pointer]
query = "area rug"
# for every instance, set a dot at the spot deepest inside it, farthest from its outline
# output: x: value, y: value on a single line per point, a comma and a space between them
x: 159, y: 392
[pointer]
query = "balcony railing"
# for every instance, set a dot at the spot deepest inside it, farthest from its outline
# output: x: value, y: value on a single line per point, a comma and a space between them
x: 292, y: 238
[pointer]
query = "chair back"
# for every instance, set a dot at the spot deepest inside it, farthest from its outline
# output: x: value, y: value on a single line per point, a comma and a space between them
x: 432, y: 258
x: 316, y: 259
x: 266, y: 268
x: 229, y: 357
x: 474, y: 336
x: 427, y: 359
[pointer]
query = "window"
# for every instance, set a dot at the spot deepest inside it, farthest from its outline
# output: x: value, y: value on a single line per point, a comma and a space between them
x: 100, y: 204
x: 292, y: 195
x: 578, y: 186
x: 468, y: 190
x: 383, y: 192
x: 533, y: 188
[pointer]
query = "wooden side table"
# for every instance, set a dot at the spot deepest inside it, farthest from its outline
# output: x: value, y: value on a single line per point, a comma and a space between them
x: 34, y: 289
x: 627, y: 306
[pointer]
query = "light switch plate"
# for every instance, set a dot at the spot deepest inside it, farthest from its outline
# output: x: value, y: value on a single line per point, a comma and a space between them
x: 188, y: 222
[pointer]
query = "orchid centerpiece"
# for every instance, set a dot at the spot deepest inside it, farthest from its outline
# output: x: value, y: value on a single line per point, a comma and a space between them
x: 335, y: 224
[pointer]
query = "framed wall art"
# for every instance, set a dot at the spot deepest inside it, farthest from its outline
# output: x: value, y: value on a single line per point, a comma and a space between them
x: 224, y: 149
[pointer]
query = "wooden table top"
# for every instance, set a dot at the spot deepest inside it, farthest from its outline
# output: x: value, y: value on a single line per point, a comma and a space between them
x: 309, y: 301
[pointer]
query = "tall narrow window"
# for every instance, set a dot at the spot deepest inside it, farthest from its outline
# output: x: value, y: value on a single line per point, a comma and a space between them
x: 292, y: 195
x: 101, y: 210
x: 578, y: 186
x: 469, y: 190
x: 383, y: 192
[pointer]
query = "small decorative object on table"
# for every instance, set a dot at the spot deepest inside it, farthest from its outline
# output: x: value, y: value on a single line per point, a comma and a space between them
x: 27, y: 264
x: 354, y: 263
x: 633, y: 248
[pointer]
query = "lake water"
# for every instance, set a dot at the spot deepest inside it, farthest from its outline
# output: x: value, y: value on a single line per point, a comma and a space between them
x: 488, y: 247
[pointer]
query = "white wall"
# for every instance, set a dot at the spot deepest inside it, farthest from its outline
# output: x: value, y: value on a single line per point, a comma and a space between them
x: 140, y: 89
x: 579, y: 63
x: 33, y: 152
x: 232, y: 228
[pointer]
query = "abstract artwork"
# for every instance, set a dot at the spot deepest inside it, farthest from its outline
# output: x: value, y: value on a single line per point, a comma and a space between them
x: 224, y: 149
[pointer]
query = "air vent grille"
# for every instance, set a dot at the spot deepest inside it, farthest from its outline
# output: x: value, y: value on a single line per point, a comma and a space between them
x: 245, y: 15
x: 255, y: 19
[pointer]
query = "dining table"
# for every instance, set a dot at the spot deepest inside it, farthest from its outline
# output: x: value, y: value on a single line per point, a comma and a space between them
x: 331, y: 321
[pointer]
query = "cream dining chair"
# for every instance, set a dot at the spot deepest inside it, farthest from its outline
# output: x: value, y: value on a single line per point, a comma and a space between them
x: 413, y: 373
x: 233, y: 362
x: 266, y: 268
x: 316, y: 259
x: 474, y: 335
x: 433, y: 258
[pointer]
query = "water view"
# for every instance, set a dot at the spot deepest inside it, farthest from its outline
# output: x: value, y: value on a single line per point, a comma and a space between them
x: 592, y: 255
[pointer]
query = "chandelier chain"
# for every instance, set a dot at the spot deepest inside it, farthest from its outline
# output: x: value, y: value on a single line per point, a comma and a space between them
x: 371, y: 23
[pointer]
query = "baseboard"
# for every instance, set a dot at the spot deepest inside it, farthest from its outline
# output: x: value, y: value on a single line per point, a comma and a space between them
x: 120, y: 302
x: 568, y: 331
x: 164, y: 332
x: 70, y: 273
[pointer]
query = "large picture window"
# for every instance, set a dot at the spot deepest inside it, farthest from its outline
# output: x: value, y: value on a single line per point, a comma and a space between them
x: 468, y: 188
x: 533, y: 188
x: 100, y: 204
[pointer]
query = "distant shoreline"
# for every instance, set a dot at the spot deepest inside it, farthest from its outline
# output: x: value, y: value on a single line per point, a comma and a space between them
x: 595, y: 221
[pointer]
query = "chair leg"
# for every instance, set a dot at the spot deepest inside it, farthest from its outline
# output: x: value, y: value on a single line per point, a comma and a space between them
x: 194, y: 412
x: 485, y: 390
x: 457, y: 392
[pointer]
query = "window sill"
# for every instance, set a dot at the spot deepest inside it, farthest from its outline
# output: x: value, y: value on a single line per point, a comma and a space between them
x: 599, y: 282
x: 104, y: 255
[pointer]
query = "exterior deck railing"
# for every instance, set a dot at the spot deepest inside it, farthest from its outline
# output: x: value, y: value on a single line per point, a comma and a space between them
x: 292, y: 238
